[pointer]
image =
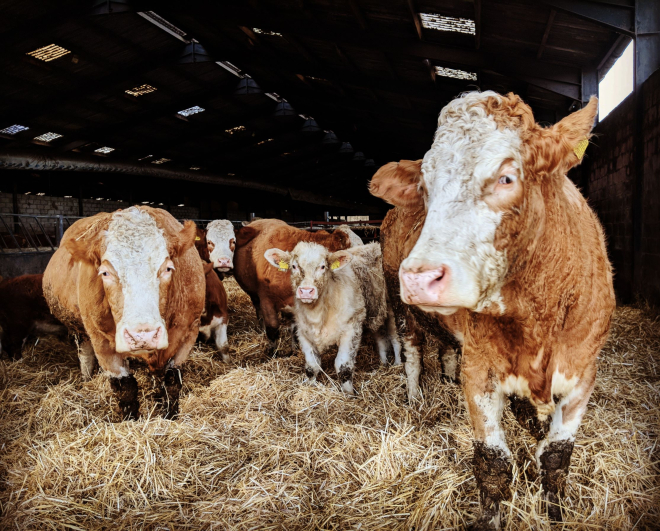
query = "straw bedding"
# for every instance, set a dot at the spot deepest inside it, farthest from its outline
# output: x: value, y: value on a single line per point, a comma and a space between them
x: 257, y: 448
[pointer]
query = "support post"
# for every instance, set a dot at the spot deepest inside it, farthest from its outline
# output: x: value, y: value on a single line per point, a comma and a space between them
x: 60, y: 229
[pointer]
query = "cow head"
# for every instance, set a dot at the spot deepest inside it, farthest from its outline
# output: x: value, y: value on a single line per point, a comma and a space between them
x: 221, y: 243
x: 134, y: 259
x: 485, y: 184
x: 312, y: 266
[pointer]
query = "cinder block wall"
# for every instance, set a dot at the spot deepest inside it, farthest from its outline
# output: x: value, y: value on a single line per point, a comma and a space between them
x: 608, y: 182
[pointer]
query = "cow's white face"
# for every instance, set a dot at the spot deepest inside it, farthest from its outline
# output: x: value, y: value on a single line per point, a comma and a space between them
x: 136, y: 271
x: 311, y: 265
x: 221, y: 244
x: 471, y: 168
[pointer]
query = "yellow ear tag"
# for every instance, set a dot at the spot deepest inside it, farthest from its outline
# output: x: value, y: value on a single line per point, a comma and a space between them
x: 335, y: 264
x: 283, y: 266
x: 580, y: 148
x: 197, y: 238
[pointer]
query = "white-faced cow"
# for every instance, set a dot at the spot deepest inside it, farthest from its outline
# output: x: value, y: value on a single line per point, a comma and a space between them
x: 336, y: 295
x: 221, y: 243
x: 509, y: 238
x: 130, y: 283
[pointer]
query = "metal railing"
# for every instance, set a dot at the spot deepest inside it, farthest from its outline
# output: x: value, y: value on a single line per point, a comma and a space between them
x: 25, y: 233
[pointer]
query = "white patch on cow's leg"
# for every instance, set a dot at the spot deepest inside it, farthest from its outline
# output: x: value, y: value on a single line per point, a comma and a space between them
x: 393, y: 336
x: 87, y: 360
x: 345, y: 360
x: 205, y: 332
x: 221, y: 343
x: 449, y: 362
x: 413, y: 367
x: 312, y: 361
x: 383, y: 347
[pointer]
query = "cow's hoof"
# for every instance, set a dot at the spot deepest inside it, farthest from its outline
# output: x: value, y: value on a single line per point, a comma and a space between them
x: 553, y: 508
x: 487, y: 521
x: 126, y: 394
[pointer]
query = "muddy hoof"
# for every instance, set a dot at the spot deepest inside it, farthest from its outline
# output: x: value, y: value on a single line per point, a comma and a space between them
x: 125, y: 389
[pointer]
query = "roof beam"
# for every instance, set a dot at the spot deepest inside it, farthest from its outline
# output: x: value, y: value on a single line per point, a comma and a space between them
x: 614, y: 16
x: 546, y: 33
x: 357, y: 13
x: 416, y: 20
x: 477, y: 24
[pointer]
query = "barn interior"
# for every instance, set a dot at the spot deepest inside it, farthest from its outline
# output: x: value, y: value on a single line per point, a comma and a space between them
x: 285, y: 109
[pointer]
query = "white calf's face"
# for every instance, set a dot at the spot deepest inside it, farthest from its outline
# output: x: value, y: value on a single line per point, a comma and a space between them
x: 311, y: 266
x: 471, y: 173
x: 221, y: 244
x: 136, y: 271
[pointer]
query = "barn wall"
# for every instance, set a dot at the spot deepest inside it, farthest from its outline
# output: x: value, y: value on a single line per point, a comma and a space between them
x: 609, y: 181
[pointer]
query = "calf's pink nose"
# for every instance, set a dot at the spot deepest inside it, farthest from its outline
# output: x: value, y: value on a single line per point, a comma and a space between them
x: 424, y: 284
x: 306, y: 293
x: 223, y: 262
x: 143, y: 337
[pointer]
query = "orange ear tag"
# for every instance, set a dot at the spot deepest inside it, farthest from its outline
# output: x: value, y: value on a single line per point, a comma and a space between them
x: 283, y: 266
x: 335, y: 264
x: 580, y: 148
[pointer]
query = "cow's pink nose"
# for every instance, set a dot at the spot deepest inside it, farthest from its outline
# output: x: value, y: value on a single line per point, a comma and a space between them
x: 424, y: 284
x: 223, y: 262
x: 306, y: 293
x: 143, y: 337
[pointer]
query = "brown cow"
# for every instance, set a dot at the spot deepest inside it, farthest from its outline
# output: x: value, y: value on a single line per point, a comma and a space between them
x: 270, y: 290
x: 24, y: 311
x: 509, y: 239
x: 131, y: 284
x: 399, y: 233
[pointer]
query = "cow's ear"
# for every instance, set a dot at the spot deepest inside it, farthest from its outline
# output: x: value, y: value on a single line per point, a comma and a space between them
x: 339, y: 260
x: 278, y: 258
x: 85, y: 237
x: 398, y: 183
x: 244, y: 235
x: 183, y: 240
x: 84, y: 250
x: 564, y: 144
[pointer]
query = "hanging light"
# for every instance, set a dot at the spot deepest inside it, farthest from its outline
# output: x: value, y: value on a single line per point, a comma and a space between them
x: 330, y: 139
x: 358, y: 157
x: 247, y: 87
x: 283, y: 109
x: 346, y: 148
x: 194, y: 52
x: 310, y: 126
x: 369, y: 163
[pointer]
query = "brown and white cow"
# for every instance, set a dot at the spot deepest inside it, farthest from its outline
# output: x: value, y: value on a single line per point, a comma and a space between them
x: 509, y: 238
x: 215, y: 316
x: 132, y: 285
x: 336, y: 295
x: 270, y: 290
x: 398, y: 234
x: 221, y: 242
x: 24, y: 311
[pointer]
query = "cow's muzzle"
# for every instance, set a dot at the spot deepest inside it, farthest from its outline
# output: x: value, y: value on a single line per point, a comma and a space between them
x: 425, y: 284
x: 223, y: 265
x: 307, y: 294
x: 143, y: 337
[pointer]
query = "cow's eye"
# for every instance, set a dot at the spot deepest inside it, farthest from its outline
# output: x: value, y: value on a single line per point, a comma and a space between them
x: 170, y: 269
x: 505, y: 179
x: 322, y: 267
x: 294, y: 266
x: 105, y: 273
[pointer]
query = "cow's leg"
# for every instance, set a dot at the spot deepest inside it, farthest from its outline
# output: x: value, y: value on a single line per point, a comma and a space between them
x: 492, y: 459
x: 173, y: 378
x: 393, y: 336
x: 123, y: 384
x: 312, y: 359
x: 384, y: 345
x: 553, y: 454
x: 413, y: 340
x: 87, y: 359
x: 257, y: 308
x: 449, y: 363
x: 272, y: 323
x: 220, y: 337
x: 345, y: 360
x: 294, y: 337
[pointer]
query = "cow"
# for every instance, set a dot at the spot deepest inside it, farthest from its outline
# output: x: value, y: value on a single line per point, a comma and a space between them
x: 269, y: 290
x: 130, y: 284
x: 336, y: 295
x: 510, y: 243
x: 398, y: 234
x: 24, y: 312
x: 215, y: 316
x: 221, y: 242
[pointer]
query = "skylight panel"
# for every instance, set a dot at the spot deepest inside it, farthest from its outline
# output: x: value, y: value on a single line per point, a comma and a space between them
x: 444, y: 23
x: 456, y: 74
x: 195, y: 168
x: 305, y: 116
x: 141, y: 90
x: 274, y: 96
x: 237, y: 129
x: 233, y: 69
x: 49, y: 53
x: 147, y: 157
x: 13, y: 129
x: 266, y: 32
x: 104, y: 149
x: 190, y: 111
x: 265, y: 141
x: 47, y: 137
x: 164, y: 25
x: 160, y: 161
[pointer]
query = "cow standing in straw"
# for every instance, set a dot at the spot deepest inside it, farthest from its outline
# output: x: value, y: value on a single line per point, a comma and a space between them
x: 510, y: 245
x: 336, y: 294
